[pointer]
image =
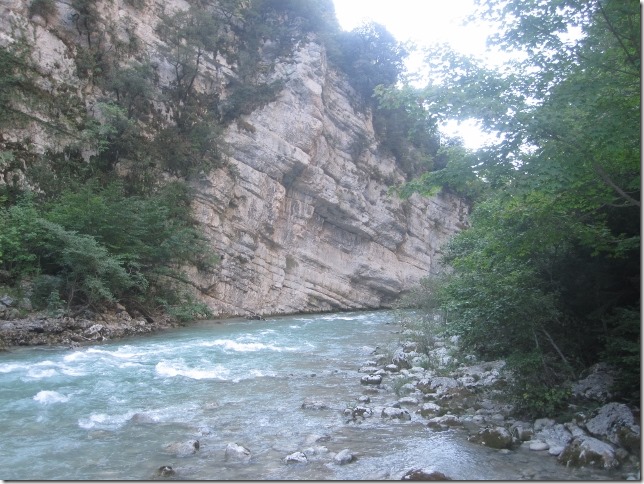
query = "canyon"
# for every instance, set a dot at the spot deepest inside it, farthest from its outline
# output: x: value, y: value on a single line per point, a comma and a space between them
x: 302, y: 215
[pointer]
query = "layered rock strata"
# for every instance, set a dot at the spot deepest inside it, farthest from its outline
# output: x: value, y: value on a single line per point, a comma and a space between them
x: 302, y: 218
x: 308, y: 223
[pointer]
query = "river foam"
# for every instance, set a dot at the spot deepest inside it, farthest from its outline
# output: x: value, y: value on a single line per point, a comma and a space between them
x: 48, y: 396
x: 104, y: 421
x: 172, y: 369
x: 232, y: 345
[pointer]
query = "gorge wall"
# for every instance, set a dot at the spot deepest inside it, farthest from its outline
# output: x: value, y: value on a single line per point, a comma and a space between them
x: 300, y: 216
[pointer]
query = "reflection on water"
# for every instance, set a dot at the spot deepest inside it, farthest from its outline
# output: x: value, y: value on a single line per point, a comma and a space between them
x: 109, y: 411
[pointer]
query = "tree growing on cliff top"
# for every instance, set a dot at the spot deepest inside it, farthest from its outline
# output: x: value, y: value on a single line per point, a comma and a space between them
x: 548, y: 274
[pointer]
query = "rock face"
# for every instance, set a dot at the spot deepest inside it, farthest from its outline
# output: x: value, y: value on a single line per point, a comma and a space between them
x: 306, y: 226
x: 301, y: 217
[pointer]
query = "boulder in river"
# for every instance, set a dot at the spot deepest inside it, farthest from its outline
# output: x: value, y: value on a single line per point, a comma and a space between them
x: 444, y: 422
x: 395, y: 413
x: 586, y: 450
x: 522, y: 430
x: 236, y: 452
x: 182, y: 449
x: 371, y: 380
x: 165, y: 471
x: 402, y: 359
x: 555, y: 436
x: 315, y: 452
x: 424, y: 474
x: 538, y: 445
x: 494, y: 437
x: 615, y: 422
x: 443, y: 383
x: 361, y: 411
x: 425, y: 386
x: 408, y: 401
x: 344, y: 457
x: 296, y: 458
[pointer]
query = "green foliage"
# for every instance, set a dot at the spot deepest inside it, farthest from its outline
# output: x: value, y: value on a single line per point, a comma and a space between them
x: 397, y: 384
x: 245, y: 98
x: 537, y: 401
x: 189, y: 35
x: 133, y: 88
x: 623, y: 349
x: 370, y: 56
x: 95, y: 245
x: 187, y: 309
x: 45, y: 292
x: 286, y: 21
x: 32, y: 245
x: 548, y: 274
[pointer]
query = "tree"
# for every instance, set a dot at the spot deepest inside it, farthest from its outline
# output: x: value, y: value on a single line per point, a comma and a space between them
x: 371, y: 56
x: 548, y: 274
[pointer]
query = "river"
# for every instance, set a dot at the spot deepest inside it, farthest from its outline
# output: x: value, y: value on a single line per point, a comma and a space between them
x: 108, y: 411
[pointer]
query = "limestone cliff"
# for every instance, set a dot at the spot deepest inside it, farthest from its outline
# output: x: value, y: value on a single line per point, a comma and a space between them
x: 300, y: 216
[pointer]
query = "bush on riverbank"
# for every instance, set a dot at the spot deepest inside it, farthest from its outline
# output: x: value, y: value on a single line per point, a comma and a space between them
x: 95, y: 245
x: 547, y: 275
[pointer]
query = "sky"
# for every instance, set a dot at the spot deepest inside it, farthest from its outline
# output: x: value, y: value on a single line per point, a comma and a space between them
x: 422, y: 21
x: 425, y: 22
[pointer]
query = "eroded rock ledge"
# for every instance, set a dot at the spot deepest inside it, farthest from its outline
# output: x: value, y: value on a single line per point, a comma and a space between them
x: 41, y: 330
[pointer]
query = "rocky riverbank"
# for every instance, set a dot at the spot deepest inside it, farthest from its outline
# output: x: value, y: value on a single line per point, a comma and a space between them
x: 43, y: 329
x: 446, y: 393
x: 405, y: 386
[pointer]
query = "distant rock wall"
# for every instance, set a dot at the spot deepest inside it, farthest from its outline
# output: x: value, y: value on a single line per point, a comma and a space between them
x: 308, y: 224
x: 304, y: 221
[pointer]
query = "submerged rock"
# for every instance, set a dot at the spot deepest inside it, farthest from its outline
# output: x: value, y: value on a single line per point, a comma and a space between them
x: 311, y: 404
x: 424, y: 474
x: 142, y: 418
x: 296, y: 458
x: 165, y: 471
x: 236, y: 452
x: 395, y: 413
x: 182, y: 449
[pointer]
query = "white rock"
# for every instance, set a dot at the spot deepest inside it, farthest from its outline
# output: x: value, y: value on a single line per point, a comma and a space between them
x: 237, y: 452
x: 538, y: 445
x: 343, y: 457
x: 296, y: 458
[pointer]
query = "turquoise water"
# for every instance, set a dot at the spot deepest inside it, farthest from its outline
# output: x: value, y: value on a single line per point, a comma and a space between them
x: 107, y: 411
